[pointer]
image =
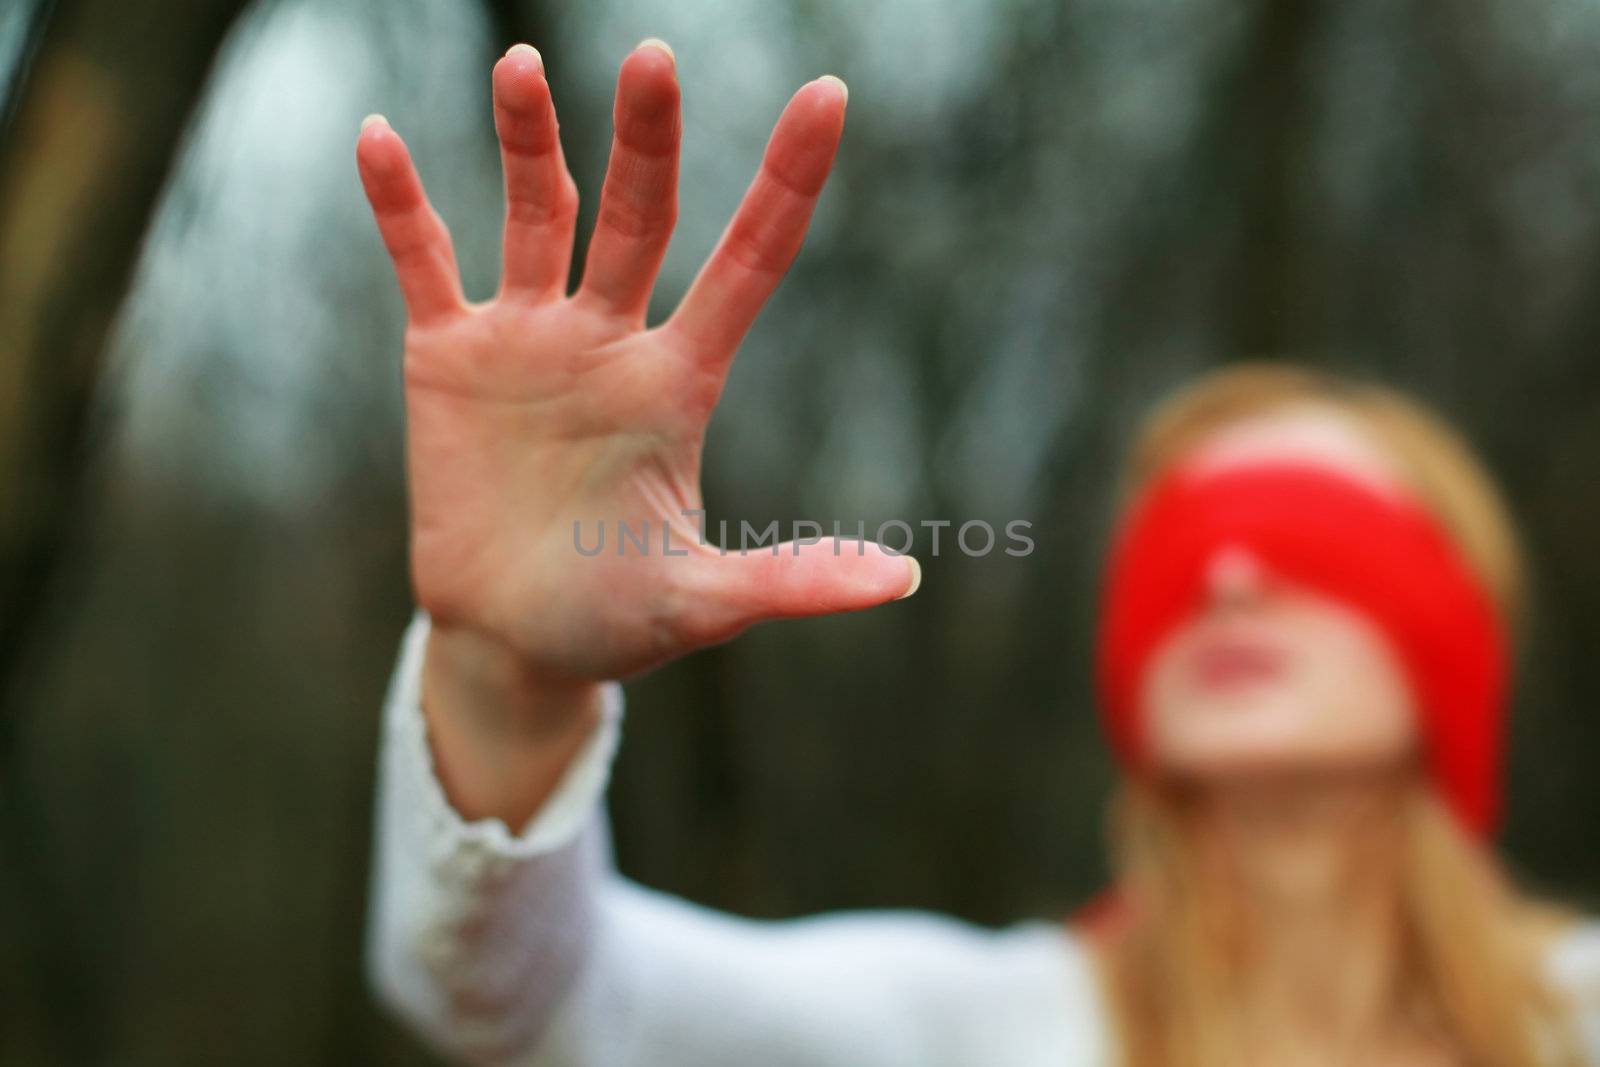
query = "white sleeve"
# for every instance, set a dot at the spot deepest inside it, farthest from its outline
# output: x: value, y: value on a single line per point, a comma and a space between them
x: 530, y: 949
x: 1574, y: 963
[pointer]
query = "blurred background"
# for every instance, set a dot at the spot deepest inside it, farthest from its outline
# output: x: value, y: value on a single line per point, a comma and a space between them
x: 1046, y: 214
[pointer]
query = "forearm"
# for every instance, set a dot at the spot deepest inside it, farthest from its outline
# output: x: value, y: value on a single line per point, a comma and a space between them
x: 501, y: 735
x: 477, y: 927
x: 527, y: 947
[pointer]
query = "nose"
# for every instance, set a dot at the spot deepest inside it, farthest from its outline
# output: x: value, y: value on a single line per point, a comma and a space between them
x: 1233, y: 576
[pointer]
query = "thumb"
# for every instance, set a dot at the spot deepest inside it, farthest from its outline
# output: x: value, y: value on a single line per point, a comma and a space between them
x: 807, y: 577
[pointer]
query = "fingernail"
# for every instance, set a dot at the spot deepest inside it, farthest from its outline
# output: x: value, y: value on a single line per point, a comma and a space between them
x: 656, y: 42
x: 374, y: 119
x: 916, y: 577
x: 526, y: 49
x: 844, y: 91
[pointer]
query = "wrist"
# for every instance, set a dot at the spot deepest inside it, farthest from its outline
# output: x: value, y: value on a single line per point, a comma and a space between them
x: 477, y: 678
x: 502, y: 732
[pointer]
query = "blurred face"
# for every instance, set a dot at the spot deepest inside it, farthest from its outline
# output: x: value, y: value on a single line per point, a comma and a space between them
x: 1268, y: 677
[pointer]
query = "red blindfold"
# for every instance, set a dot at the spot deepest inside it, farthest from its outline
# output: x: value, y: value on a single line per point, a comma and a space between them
x: 1382, y: 554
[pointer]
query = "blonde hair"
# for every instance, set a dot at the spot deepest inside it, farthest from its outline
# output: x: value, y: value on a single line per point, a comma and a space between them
x: 1473, y: 947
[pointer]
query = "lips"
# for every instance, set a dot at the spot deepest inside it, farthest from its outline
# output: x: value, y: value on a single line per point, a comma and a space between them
x: 1226, y: 661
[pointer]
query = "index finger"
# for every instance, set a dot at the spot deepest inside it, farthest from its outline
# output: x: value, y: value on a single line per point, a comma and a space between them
x: 418, y: 243
x: 769, y: 226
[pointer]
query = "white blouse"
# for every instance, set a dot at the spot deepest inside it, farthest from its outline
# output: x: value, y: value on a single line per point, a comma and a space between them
x: 531, y: 949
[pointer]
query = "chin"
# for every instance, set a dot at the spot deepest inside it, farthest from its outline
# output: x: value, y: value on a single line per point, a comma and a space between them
x: 1238, y: 736
x: 1221, y: 756
x: 1222, y: 763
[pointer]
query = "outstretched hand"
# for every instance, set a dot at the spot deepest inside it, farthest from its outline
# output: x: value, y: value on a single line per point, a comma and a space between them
x: 536, y: 410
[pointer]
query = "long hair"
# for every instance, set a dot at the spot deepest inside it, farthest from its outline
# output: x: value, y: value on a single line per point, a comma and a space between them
x: 1472, y: 961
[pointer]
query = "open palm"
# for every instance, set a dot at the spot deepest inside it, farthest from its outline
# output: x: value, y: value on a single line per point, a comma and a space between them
x: 537, y: 410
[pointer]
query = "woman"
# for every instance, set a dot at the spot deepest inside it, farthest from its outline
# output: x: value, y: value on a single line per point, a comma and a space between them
x: 1303, y: 664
